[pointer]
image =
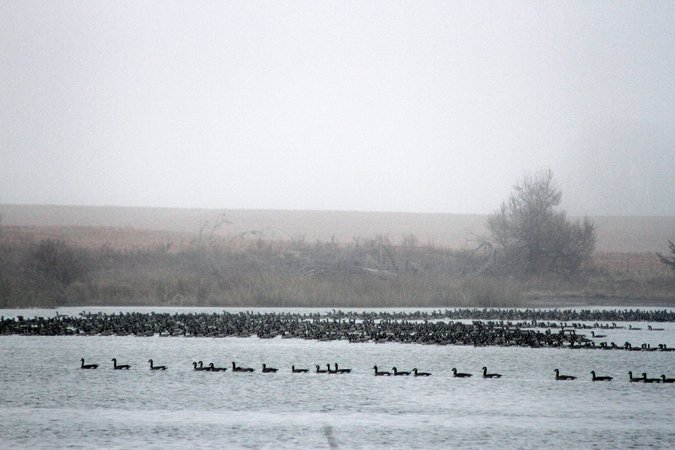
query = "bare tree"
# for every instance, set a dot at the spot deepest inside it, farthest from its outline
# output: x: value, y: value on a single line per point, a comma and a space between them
x: 670, y: 262
x: 531, y: 237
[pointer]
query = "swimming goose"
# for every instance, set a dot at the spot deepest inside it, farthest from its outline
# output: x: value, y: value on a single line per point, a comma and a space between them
x: 153, y: 367
x: 294, y: 370
x: 119, y: 367
x: 399, y: 373
x: 563, y: 377
x: 342, y: 370
x: 266, y: 369
x: 460, y: 374
x: 598, y: 335
x: 380, y: 373
x: 490, y: 375
x: 331, y: 370
x: 421, y: 374
x: 667, y: 380
x: 241, y: 369
x: 601, y: 378
x: 320, y: 370
x: 87, y: 366
x: 212, y: 368
x: 649, y: 380
x: 633, y: 379
x: 201, y: 368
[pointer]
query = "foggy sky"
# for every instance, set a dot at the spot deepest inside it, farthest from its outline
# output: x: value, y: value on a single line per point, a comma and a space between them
x: 415, y: 106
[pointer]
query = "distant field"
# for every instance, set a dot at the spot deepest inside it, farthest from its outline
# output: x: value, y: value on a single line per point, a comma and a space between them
x: 133, y: 226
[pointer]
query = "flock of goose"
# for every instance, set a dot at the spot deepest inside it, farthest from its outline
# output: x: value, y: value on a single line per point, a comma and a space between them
x: 200, y: 367
x: 359, y: 327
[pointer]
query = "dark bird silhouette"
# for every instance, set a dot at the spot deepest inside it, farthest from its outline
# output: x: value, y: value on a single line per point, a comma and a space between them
x: 601, y: 378
x: 87, y: 366
x: 667, y: 380
x: 649, y: 380
x: 563, y: 377
x: 119, y: 366
x: 201, y: 368
x: 399, y: 372
x: 266, y: 369
x: 320, y: 370
x: 460, y: 374
x: 421, y: 374
x: 338, y: 370
x: 633, y: 379
x: 379, y: 373
x: 294, y: 370
x: 598, y: 335
x: 212, y: 368
x: 153, y: 367
x: 490, y: 375
x: 241, y: 369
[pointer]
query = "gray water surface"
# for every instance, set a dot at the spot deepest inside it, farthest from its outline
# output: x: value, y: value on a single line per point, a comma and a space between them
x: 47, y: 401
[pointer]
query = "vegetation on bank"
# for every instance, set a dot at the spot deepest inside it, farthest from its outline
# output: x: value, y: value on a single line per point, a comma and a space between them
x: 251, y: 271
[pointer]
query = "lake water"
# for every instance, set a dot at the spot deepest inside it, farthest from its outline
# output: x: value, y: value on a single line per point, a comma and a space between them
x: 47, y: 401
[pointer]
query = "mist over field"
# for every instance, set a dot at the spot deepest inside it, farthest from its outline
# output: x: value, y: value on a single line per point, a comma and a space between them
x: 615, y: 233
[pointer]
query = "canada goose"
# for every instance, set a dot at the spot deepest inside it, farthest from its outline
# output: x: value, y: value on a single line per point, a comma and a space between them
x: 338, y: 370
x: 121, y: 366
x: 153, y: 367
x: 667, y: 380
x: 87, y: 366
x: 380, y: 373
x: 331, y: 370
x: 266, y: 369
x: 241, y: 369
x: 598, y: 335
x: 294, y: 370
x: 421, y: 374
x: 601, y: 378
x: 633, y: 379
x: 460, y: 374
x: 212, y: 368
x: 399, y: 373
x: 320, y: 370
x: 490, y: 375
x: 649, y: 380
x: 200, y: 368
x: 563, y: 377
x: 654, y: 329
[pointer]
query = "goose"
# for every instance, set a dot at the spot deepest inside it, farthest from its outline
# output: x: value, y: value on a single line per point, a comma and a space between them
x: 240, y: 369
x: 667, y: 380
x: 119, y: 367
x: 153, y: 367
x: 649, y: 380
x: 563, y: 377
x: 421, y: 374
x: 342, y: 370
x: 490, y: 375
x: 331, y: 370
x: 294, y: 370
x: 460, y: 374
x: 633, y: 379
x: 320, y: 370
x: 380, y: 373
x: 601, y: 378
x: 212, y: 368
x: 630, y: 327
x: 266, y: 369
x: 399, y: 373
x: 665, y: 348
x: 201, y: 368
x: 654, y: 329
x: 598, y: 335
x: 87, y: 366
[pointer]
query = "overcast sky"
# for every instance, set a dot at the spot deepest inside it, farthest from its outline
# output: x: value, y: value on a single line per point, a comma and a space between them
x: 417, y: 106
